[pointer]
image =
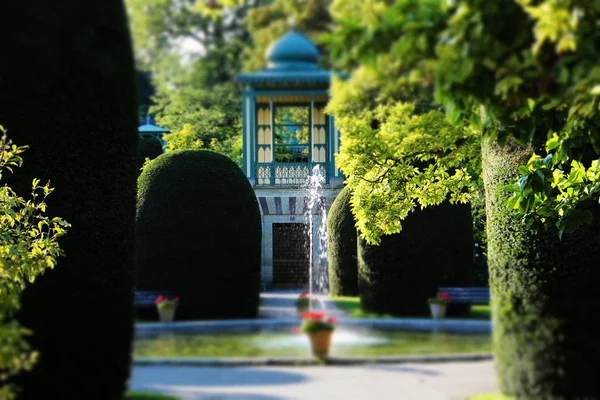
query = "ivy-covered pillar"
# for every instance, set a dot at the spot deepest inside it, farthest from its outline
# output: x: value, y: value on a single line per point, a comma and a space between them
x: 544, y: 293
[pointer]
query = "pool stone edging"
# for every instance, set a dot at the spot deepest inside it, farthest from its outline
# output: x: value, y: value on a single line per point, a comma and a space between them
x: 301, y: 362
x: 252, y: 325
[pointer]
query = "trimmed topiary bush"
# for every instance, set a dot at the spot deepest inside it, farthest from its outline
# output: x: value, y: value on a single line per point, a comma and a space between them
x: 434, y: 249
x: 199, y: 234
x: 544, y: 293
x: 149, y: 147
x: 67, y: 89
x: 341, y: 235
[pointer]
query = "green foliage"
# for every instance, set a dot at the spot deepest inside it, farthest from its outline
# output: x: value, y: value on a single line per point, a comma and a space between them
x: 433, y: 250
x: 524, y: 71
x: 341, y: 247
x: 198, y: 233
x: 28, y: 246
x: 550, y: 192
x: 542, y: 291
x: 193, y: 51
x: 275, y: 18
x: 399, y: 152
x: 77, y: 112
x: 534, y: 83
x: 402, y: 162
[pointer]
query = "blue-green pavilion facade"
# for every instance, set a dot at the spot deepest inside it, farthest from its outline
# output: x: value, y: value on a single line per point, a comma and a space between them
x: 286, y: 134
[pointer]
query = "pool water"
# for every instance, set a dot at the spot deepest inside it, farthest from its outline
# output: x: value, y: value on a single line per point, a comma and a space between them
x: 278, y: 344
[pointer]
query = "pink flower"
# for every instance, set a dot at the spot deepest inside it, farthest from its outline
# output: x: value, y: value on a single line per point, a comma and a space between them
x: 332, y: 320
x: 296, y: 330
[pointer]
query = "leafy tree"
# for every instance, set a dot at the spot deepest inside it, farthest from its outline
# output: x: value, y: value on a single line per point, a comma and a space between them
x: 28, y: 246
x: 521, y: 75
x: 399, y: 152
x: 273, y: 19
x: 193, y: 50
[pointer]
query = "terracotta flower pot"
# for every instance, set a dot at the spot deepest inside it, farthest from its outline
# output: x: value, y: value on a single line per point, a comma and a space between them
x: 166, y: 313
x: 321, y: 343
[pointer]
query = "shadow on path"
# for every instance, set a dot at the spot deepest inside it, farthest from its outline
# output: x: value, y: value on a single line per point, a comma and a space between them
x: 162, y: 377
x: 400, y: 368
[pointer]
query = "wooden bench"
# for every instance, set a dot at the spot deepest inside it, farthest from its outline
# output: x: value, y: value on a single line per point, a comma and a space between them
x: 144, y: 299
x: 467, y: 295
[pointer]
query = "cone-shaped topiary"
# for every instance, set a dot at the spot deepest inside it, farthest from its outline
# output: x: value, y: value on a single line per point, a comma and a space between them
x: 434, y: 249
x: 67, y: 89
x: 199, y: 234
x: 341, y: 236
x: 543, y: 293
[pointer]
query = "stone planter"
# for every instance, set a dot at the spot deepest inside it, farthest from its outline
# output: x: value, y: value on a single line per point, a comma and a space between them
x: 321, y: 343
x: 166, y: 313
x: 438, y: 310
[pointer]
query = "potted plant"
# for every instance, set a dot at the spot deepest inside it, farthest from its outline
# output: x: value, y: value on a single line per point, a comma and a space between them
x: 166, y: 308
x: 319, y: 329
x: 437, y: 305
x: 303, y: 303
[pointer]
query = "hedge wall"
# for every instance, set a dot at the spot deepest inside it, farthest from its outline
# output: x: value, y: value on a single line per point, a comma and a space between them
x: 199, y: 234
x: 341, y: 236
x: 434, y: 249
x: 67, y: 88
x: 545, y: 293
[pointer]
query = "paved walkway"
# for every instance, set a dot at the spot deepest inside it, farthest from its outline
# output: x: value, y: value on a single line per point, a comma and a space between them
x: 446, y: 381
x: 281, y: 304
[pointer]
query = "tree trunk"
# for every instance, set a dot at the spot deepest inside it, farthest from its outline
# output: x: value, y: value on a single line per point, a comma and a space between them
x: 67, y: 89
x: 544, y: 293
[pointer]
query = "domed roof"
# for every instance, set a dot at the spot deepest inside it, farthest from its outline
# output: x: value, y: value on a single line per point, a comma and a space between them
x: 293, y: 50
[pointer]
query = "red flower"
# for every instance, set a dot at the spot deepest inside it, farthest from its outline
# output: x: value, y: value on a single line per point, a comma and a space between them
x: 177, y: 299
x: 332, y: 320
x: 313, y: 315
x: 304, y: 294
x: 443, y: 296
x: 160, y: 299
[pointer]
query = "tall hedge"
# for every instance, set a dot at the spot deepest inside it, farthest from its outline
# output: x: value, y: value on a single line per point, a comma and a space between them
x: 67, y: 89
x: 199, y: 234
x: 341, y: 235
x: 544, y: 294
x: 434, y: 249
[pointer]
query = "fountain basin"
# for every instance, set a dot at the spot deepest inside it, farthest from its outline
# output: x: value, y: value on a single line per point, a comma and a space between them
x: 225, y: 339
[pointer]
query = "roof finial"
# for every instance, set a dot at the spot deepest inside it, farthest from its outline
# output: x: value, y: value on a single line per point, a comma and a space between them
x: 148, y: 117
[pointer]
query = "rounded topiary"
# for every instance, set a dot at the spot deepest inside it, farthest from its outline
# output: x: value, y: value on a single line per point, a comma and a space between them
x: 341, y: 235
x: 67, y: 89
x: 433, y: 250
x: 149, y: 147
x: 199, y: 234
x: 543, y: 292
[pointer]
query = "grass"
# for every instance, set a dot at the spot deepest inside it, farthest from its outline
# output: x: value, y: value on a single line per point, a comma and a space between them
x: 351, y: 306
x: 269, y: 344
x: 148, y: 396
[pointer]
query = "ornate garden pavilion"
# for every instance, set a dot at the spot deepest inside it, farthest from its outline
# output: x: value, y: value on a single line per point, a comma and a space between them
x: 286, y: 134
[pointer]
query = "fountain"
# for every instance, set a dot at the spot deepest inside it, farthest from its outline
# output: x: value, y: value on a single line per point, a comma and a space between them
x: 318, y: 281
